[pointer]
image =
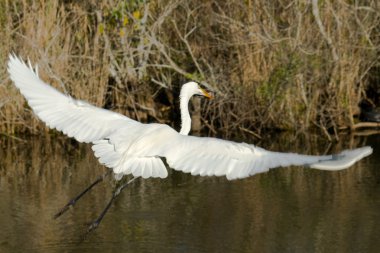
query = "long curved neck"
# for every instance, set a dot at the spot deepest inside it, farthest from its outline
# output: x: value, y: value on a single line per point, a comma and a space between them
x: 185, y: 116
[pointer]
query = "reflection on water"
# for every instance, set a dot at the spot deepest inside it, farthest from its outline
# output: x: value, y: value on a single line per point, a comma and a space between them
x: 287, y: 210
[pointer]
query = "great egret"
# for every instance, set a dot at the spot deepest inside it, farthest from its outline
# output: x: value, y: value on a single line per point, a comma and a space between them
x: 130, y: 147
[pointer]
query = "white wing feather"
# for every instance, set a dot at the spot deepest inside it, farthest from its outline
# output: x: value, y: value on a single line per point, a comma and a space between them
x: 216, y: 157
x: 76, y: 118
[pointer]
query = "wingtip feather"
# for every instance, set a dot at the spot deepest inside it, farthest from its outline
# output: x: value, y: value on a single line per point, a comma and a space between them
x: 344, y: 160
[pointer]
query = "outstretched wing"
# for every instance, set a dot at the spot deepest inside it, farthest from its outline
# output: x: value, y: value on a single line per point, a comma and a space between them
x: 216, y: 157
x: 76, y: 118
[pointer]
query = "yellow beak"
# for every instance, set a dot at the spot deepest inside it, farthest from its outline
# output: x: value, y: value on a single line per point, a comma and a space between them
x: 206, y: 94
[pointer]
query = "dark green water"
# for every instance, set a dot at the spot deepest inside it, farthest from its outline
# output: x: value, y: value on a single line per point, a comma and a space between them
x: 286, y: 210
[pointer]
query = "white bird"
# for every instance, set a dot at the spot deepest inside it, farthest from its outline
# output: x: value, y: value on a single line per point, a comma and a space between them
x: 130, y: 147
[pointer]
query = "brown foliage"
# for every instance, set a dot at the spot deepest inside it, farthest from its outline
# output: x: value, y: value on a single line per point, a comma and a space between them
x: 273, y: 64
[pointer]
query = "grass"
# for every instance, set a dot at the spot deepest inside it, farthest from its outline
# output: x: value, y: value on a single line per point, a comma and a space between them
x: 272, y: 64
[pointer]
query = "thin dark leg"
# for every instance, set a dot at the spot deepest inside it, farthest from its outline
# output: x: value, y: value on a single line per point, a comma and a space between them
x: 73, y: 201
x: 96, y: 222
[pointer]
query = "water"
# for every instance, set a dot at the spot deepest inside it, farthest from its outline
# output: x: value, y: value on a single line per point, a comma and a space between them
x: 286, y: 210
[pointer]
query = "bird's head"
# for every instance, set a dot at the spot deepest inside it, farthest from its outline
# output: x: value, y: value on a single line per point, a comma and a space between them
x: 193, y: 88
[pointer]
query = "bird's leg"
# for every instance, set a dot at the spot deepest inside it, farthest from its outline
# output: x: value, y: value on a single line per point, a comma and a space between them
x: 116, y: 192
x: 73, y: 201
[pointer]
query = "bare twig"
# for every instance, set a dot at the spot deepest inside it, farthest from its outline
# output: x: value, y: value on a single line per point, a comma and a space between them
x: 322, y: 29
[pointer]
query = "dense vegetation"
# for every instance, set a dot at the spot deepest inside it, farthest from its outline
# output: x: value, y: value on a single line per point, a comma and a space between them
x: 283, y: 64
